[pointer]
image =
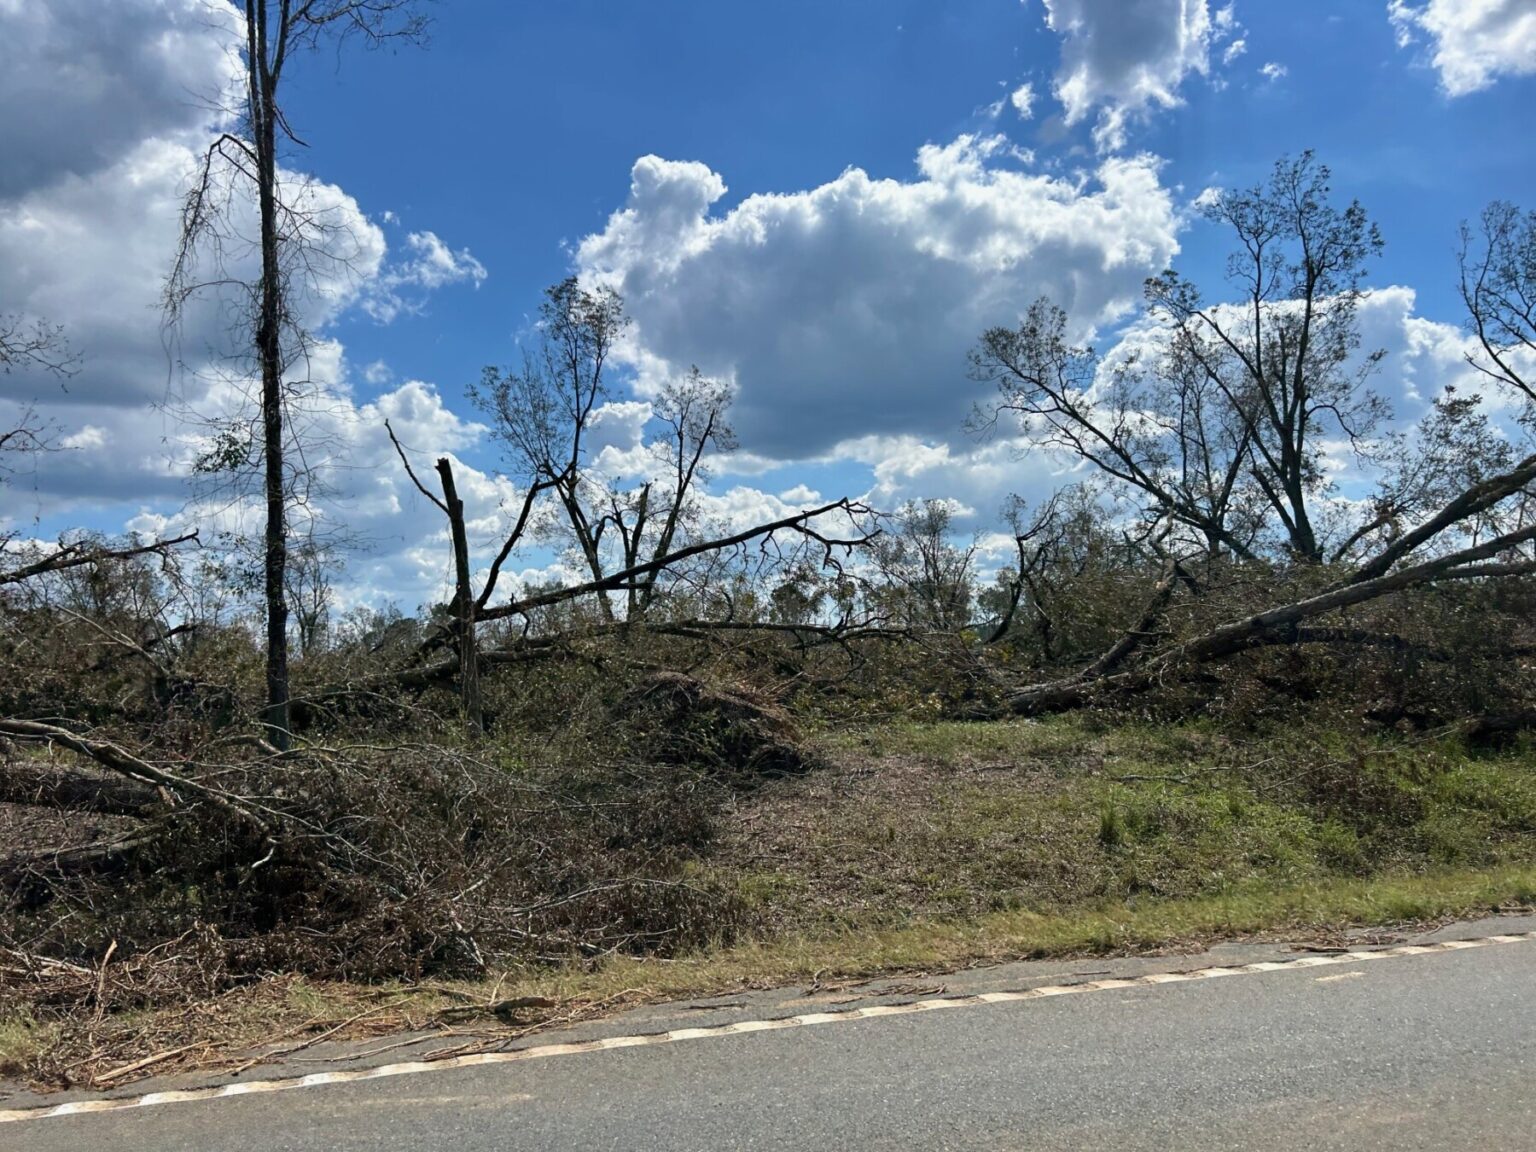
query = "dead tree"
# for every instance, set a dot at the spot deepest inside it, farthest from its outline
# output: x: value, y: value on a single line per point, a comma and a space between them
x: 543, y: 414
x: 466, y: 605
x: 469, y: 608
x: 243, y: 168
x: 81, y: 553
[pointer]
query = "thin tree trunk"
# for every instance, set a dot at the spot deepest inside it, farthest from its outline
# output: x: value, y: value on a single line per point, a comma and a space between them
x: 464, y: 603
x: 269, y: 350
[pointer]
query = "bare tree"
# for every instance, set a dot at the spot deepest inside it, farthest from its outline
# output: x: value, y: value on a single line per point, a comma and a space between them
x: 244, y: 167
x: 543, y: 414
x: 34, y: 344
x: 311, y: 560
x: 927, y: 576
x: 652, y: 518
x: 1498, y: 285
x: 37, y: 346
x: 810, y: 531
x: 465, y: 604
x: 1161, y: 431
x: 1224, y: 429
x: 1287, y: 359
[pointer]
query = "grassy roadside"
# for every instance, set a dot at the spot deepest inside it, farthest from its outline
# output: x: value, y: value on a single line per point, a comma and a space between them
x: 923, y: 847
x: 954, y: 822
x: 221, y: 1032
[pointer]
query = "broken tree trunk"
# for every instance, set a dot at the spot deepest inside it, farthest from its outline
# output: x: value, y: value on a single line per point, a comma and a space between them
x: 463, y: 602
x: 115, y: 759
x: 47, y: 786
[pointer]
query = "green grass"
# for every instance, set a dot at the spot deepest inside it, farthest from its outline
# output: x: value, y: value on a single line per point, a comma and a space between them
x: 930, y: 823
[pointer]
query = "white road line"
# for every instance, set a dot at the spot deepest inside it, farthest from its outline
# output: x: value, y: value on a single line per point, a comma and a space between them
x: 874, y: 1011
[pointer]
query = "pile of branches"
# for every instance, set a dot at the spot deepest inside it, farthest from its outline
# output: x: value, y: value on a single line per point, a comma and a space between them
x: 356, y: 862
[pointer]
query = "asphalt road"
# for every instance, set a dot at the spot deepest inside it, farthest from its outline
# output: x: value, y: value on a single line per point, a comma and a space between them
x: 1414, y: 1052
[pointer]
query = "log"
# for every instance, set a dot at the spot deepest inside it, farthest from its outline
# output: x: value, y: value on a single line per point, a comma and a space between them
x: 51, y: 786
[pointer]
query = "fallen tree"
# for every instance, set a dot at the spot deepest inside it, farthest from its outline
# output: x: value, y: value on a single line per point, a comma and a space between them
x: 81, y: 553
x: 1116, y: 671
x: 638, y: 579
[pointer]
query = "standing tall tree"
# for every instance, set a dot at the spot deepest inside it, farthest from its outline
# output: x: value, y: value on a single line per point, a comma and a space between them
x: 1286, y: 357
x: 236, y: 170
x: 1223, y: 432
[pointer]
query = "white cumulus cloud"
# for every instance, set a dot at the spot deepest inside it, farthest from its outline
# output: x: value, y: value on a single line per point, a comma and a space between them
x: 1023, y: 100
x: 119, y: 101
x: 847, y: 309
x: 428, y: 265
x: 1472, y: 42
x: 1122, y: 59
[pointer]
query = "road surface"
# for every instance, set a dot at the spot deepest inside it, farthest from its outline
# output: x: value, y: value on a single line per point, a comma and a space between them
x: 1424, y: 1051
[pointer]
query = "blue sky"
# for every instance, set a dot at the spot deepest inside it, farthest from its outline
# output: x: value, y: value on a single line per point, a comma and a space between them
x: 513, y: 131
x: 841, y: 307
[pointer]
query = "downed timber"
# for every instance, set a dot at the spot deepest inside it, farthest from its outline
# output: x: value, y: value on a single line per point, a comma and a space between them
x: 52, y: 786
x: 1248, y: 631
x: 116, y: 759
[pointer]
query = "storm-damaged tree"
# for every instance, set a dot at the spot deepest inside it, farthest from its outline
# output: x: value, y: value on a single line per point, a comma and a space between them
x: 1222, y: 426
x: 545, y: 412
x: 296, y: 241
x: 32, y: 345
x: 633, y: 541
x: 1286, y: 357
x: 1075, y: 575
x: 926, y: 579
x: 1267, y: 381
x: 1158, y: 430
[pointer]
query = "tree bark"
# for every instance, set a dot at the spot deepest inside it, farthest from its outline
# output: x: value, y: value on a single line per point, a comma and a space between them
x: 262, y: 102
x: 464, y: 603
